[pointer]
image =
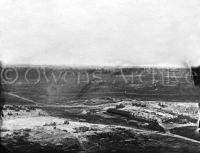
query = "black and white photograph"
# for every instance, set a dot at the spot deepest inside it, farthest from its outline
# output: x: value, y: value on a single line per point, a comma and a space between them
x: 100, y: 76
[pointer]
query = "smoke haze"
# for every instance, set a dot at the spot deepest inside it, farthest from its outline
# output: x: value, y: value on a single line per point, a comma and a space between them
x: 100, y: 32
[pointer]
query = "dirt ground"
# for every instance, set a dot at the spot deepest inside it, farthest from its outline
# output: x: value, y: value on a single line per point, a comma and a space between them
x: 124, y: 126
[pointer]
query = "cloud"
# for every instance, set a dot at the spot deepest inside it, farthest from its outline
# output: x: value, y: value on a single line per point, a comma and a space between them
x: 100, y: 32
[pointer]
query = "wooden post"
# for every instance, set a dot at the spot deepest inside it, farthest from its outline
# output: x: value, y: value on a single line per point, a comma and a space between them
x: 196, y: 79
x: 1, y: 107
x: 1, y: 92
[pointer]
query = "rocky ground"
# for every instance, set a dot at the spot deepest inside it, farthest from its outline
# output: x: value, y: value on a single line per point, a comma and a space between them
x: 124, y: 126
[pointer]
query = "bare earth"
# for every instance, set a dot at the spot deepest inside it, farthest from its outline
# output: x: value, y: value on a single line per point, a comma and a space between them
x: 122, y: 126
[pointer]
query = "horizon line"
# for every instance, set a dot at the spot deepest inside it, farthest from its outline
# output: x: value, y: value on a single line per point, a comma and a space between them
x: 95, y: 66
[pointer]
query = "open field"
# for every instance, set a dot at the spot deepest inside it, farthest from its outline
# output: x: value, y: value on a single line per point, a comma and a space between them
x: 59, y: 85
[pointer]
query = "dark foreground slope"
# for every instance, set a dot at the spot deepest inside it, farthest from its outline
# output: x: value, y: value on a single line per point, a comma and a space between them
x: 29, y: 129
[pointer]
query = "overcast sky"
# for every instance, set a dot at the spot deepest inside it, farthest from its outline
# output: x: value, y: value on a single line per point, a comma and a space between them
x: 100, y: 32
